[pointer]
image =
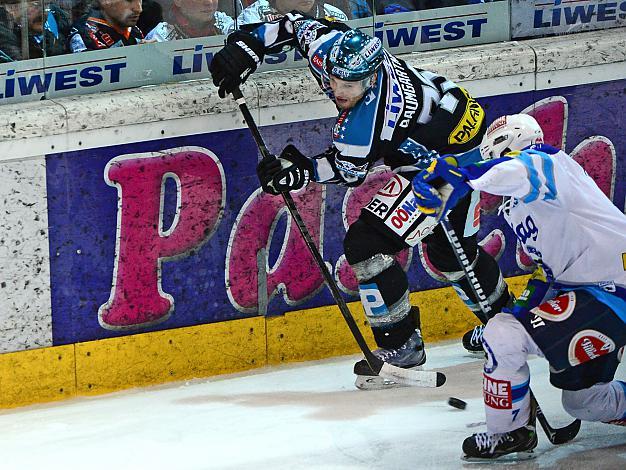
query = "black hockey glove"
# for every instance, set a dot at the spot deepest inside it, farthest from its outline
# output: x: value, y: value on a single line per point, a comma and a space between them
x: 289, y: 172
x: 234, y: 63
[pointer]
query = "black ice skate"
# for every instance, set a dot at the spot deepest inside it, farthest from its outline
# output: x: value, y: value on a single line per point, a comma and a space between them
x: 410, y: 355
x: 488, y: 446
x: 473, y: 340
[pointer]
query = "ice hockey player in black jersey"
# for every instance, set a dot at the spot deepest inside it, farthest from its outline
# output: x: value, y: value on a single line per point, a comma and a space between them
x: 388, y: 111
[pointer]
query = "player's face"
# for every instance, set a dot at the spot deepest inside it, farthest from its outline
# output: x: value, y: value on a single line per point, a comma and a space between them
x: 347, y: 94
x: 122, y: 13
x: 202, y: 11
x: 285, y: 6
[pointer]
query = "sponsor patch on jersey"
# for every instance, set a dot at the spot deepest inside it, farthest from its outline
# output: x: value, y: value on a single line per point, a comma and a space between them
x: 587, y: 345
x: 318, y: 61
x: 394, y: 187
x: 470, y: 122
x: 497, y: 393
x: 385, y: 199
x: 624, y: 261
x: 371, y: 48
x: 395, y: 205
x: 558, y: 309
x: 404, y: 214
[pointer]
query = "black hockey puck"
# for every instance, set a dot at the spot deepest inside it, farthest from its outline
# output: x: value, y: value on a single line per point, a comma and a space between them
x: 457, y: 403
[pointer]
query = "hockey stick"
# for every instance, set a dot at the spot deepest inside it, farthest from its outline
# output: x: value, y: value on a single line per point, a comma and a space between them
x: 555, y: 435
x: 419, y: 378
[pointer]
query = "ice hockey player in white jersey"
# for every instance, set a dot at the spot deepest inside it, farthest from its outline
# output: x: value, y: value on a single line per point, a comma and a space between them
x: 573, y: 310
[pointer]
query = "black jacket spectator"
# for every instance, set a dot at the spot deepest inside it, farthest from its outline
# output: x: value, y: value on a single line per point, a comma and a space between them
x: 94, y: 32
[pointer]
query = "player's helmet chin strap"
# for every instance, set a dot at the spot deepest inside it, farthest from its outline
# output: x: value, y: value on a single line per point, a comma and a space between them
x: 510, y: 133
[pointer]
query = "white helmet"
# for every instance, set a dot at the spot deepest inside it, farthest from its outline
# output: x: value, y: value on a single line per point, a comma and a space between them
x: 510, y: 133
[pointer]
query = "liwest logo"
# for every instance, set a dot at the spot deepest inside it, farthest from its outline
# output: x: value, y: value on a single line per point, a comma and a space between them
x: 430, y: 32
x: 566, y: 15
x: 19, y: 83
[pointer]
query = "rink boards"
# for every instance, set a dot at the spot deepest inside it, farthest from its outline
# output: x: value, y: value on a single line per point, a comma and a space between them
x: 137, y: 247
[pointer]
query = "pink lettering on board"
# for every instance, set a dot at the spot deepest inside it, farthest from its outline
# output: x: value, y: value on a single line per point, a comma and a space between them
x: 597, y: 156
x: 294, y: 273
x: 142, y: 244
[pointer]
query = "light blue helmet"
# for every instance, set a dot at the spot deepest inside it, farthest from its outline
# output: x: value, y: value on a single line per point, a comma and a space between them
x: 354, y: 56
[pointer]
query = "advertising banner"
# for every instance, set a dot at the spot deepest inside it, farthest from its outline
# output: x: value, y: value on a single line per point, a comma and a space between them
x: 189, y: 59
x: 548, y: 17
x: 176, y: 232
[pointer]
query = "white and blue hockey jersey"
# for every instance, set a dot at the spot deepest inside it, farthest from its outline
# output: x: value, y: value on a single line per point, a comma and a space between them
x: 563, y: 220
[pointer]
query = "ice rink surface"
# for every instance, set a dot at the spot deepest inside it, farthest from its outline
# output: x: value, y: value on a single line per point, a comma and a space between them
x: 304, y: 416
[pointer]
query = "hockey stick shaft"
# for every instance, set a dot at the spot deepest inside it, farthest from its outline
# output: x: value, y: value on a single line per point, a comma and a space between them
x: 555, y: 435
x: 405, y: 376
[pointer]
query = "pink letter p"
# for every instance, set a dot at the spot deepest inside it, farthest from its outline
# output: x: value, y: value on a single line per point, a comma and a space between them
x: 137, y: 298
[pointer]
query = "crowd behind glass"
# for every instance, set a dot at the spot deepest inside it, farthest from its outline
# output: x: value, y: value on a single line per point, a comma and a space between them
x: 33, y: 28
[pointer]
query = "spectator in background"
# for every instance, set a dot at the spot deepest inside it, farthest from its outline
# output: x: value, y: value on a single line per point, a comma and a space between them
x: 270, y: 10
x: 109, y: 23
x: 152, y: 14
x: 192, y: 19
x: 47, y: 31
x: 74, y: 8
x: 358, y: 8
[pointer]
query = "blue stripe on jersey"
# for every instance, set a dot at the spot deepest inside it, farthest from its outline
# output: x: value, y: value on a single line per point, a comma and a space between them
x: 548, y: 171
x: 533, y: 177
x: 518, y: 392
x: 545, y: 148
x: 259, y: 33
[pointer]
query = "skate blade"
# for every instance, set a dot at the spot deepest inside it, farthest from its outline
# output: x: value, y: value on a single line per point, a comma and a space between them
x: 376, y: 382
x: 508, y: 458
x: 480, y: 353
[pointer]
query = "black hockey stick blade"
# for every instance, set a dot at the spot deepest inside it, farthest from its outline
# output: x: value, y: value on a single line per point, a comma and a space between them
x: 558, y: 436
